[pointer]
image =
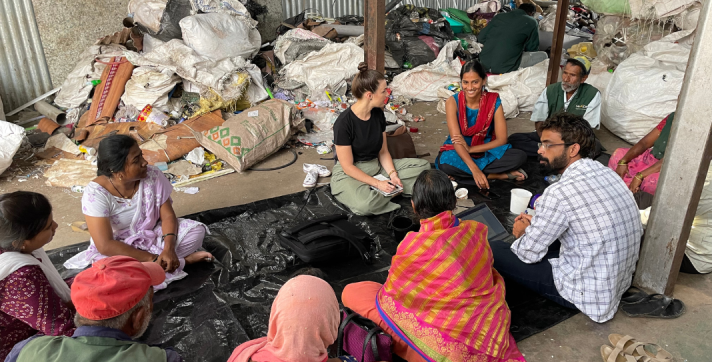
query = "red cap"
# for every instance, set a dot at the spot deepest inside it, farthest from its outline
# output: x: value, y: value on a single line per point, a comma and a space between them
x: 113, y: 286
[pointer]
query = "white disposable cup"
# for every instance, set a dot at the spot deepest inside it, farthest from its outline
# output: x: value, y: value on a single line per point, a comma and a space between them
x: 461, y: 194
x: 520, y: 200
x: 454, y: 185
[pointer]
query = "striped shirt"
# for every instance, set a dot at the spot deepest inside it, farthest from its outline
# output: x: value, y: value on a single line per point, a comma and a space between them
x: 595, y: 217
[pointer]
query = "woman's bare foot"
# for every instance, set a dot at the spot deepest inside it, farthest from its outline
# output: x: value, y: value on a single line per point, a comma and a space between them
x: 504, y: 176
x: 198, y: 256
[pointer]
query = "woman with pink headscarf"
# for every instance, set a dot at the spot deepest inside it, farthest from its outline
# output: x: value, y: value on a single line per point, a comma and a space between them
x: 303, y: 323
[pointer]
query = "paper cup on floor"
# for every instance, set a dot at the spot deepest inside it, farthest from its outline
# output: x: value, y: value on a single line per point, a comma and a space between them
x: 461, y: 194
x: 454, y: 185
x: 520, y: 200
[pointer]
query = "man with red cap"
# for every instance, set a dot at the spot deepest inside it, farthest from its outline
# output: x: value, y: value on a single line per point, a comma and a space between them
x: 114, y: 302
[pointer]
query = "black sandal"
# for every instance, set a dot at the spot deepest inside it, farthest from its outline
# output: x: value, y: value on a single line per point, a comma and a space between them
x: 655, y: 306
x: 633, y: 295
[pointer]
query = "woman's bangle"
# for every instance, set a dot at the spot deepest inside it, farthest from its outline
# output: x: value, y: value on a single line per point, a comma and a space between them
x: 155, y: 257
x: 639, y: 176
x: 169, y: 234
x: 622, y: 163
x: 390, y: 173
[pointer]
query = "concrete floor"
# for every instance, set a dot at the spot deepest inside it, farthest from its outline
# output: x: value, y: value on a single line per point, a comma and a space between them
x: 577, y: 339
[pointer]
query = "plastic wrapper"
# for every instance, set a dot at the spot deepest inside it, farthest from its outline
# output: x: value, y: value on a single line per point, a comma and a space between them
x: 220, y: 305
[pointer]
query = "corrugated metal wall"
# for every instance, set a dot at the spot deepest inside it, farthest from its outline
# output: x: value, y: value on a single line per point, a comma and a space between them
x: 23, y: 68
x: 336, y: 8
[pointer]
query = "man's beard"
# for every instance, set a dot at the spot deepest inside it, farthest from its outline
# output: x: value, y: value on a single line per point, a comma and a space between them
x: 555, y: 166
x: 144, y: 327
x: 570, y: 87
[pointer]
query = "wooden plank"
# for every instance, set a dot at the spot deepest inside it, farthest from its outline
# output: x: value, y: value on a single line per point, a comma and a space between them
x: 375, y: 34
x: 687, y: 159
x: 562, y: 11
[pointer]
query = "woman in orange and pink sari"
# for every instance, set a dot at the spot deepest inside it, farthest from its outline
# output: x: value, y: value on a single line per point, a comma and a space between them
x: 442, y: 300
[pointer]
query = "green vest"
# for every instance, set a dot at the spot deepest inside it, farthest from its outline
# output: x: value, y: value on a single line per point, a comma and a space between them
x: 579, y: 102
x: 660, y: 144
x: 88, y: 349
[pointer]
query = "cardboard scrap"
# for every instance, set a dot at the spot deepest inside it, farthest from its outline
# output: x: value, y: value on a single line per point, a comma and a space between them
x: 183, y: 167
x: 68, y: 173
x: 140, y: 131
x: 55, y: 154
x: 176, y: 141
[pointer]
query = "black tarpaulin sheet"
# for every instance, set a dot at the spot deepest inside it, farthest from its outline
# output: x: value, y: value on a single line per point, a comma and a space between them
x: 220, y: 305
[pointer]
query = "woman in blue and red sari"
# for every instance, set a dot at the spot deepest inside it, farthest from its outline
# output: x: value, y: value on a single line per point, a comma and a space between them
x: 476, y: 149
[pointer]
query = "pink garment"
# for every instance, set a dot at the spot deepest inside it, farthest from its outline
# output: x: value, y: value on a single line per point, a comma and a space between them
x: 638, y: 164
x: 29, y: 305
x: 145, y: 232
x: 303, y: 323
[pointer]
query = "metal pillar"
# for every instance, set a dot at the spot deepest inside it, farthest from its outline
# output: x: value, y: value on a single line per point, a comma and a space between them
x: 375, y: 34
x: 687, y: 159
x: 562, y: 11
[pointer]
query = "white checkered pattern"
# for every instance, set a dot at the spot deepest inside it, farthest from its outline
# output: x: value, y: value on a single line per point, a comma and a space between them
x: 595, y: 217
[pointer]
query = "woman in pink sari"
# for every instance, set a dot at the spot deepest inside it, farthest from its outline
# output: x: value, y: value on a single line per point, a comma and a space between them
x: 442, y: 300
x: 129, y: 211
x: 640, y: 165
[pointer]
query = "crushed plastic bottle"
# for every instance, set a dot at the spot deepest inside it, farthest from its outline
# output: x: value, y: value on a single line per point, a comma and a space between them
x: 78, y: 189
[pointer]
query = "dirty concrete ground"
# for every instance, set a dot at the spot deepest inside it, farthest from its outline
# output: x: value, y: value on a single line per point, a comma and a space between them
x: 576, y: 339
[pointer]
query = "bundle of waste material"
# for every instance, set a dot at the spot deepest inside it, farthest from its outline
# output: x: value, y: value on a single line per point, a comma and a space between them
x: 414, y: 36
x: 618, y: 37
x: 645, y: 87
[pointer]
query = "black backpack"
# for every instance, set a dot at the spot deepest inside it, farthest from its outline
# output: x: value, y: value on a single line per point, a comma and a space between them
x: 327, y: 238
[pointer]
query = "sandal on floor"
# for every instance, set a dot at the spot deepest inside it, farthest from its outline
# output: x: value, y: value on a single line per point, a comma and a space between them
x: 633, y: 296
x: 512, y: 177
x: 615, y: 355
x: 655, y: 306
x: 641, y: 351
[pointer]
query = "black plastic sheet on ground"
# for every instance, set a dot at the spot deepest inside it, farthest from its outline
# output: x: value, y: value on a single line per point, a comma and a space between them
x: 220, y: 305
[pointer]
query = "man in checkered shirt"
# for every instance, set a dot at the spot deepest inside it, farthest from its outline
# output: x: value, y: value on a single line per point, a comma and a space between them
x: 581, y: 248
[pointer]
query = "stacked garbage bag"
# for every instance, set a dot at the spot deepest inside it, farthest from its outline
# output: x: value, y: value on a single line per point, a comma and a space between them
x: 178, y: 71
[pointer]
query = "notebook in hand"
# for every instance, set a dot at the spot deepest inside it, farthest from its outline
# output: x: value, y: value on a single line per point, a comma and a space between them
x: 380, y: 177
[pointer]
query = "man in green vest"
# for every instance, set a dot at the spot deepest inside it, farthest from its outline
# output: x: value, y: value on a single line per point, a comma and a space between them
x: 114, y: 302
x: 571, y: 95
x: 507, y: 37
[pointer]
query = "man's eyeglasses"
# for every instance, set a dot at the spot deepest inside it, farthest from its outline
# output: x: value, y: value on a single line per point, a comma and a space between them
x: 550, y: 145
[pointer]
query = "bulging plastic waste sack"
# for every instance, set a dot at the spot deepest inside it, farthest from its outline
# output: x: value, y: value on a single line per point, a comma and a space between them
x: 645, y: 87
x: 327, y: 67
x: 422, y: 83
x: 11, y: 136
x: 150, y: 85
x: 218, y: 35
